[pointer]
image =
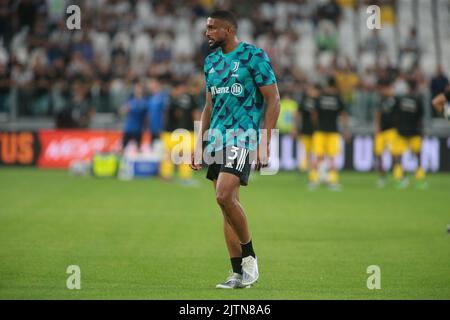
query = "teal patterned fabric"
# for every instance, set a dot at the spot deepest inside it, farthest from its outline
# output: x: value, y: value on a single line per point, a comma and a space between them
x: 233, y: 79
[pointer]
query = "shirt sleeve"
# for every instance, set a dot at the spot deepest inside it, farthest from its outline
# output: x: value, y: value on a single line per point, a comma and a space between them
x: 206, y: 71
x: 261, y: 69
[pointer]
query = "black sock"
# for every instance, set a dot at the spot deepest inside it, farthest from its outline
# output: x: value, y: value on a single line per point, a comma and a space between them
x: 247, y: 250
x: 236, y: 264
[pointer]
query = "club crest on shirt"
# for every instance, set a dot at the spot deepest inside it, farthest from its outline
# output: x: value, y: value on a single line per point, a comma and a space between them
x: 235, y: 66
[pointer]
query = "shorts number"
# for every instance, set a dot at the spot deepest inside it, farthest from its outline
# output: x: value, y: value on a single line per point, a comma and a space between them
x: 234, y: 150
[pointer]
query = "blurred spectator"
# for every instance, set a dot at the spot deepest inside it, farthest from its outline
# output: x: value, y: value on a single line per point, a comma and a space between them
x: 5, y: 87
x: 21, y: 78
x: 84, y: 47
x: 6, y: 23
x: 411, y: 50
x: 327, y: 39
x: 78, y: 112
x: 374, y: 44
x: 102, y: 88
x: 41, y: 92
x: 27, y: 12
x: 288, y: 108
x: 347, y: 81
x: 329, y: 11
x: 412, y: 42
x: 439, y: 82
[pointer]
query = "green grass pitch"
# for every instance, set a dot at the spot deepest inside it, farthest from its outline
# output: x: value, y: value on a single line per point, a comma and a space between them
x: 146, y: 239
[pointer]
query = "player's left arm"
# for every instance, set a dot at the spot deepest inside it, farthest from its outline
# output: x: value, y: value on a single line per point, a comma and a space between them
x: 345, y: 126
x: 272, y: 98
x: 264, y: 77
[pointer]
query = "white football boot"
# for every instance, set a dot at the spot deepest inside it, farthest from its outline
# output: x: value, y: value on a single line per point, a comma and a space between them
x: 234, y: 281
x: 250, y: 272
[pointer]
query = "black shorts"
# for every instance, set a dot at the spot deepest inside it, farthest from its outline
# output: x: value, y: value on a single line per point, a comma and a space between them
x: 128, y: 136
x: 235, y: 160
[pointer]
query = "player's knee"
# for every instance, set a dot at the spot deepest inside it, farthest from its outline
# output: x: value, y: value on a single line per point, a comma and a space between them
x: 224, y: 198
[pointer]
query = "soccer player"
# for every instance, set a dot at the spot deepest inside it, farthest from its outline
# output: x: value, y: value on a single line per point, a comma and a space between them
x: 239, y: 79
x: 385, y: 131
x: 181, y: 114
x: 157, y: 104
x: 409, y: 127
x: 440, y: 100
x: 303, y: 121
x: 135, y: 110
x: 326, y: 139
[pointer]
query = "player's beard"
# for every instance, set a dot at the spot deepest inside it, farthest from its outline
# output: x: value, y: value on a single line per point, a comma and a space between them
x: 216, y: 44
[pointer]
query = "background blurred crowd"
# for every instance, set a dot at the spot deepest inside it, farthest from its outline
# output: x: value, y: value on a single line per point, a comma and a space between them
x: 47, y: 70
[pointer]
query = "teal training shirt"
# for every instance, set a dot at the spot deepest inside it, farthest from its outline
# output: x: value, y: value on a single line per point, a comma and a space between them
x: 233, y: 79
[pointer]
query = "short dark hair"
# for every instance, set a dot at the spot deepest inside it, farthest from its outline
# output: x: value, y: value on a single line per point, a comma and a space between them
x: 225, y: 15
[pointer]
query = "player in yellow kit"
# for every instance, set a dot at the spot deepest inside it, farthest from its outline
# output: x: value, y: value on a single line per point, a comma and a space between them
x: 409, y: 127
x: 326, y: 139
x: 304, y: 124
x: 385, y: 131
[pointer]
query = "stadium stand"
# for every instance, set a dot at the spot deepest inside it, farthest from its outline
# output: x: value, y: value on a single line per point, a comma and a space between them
x: 46, y: 68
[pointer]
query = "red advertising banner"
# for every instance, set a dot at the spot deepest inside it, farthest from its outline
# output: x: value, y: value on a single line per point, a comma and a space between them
x: 60, y: 147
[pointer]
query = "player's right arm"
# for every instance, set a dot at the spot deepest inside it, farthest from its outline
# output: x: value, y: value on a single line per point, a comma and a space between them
x: 439, y: 101
x: 344, y: 121
x: 205, y: 121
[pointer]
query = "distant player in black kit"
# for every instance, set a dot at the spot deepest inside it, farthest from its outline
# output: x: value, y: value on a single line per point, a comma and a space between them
x: 304, y: 124
x: 385, y: 130
x: 410, y: 130
x: 326, y: 138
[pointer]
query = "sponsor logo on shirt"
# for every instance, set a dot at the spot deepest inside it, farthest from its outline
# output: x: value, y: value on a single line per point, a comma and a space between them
x: 236, y: 89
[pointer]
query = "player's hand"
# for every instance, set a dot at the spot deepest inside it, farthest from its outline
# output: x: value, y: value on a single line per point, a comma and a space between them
x: 196, y: 160
x: 262, y: 157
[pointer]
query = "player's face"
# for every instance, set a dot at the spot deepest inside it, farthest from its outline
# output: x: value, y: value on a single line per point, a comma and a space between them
x: 217, y: 32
